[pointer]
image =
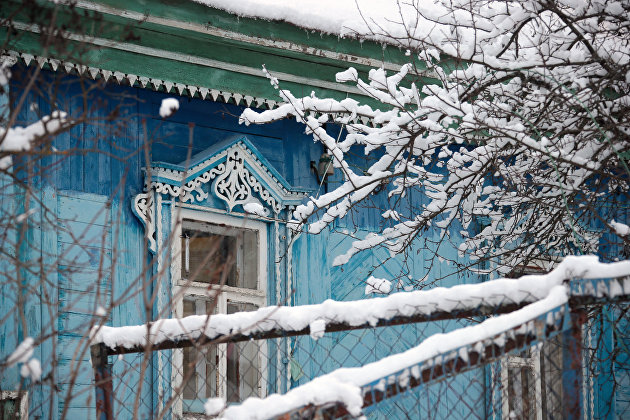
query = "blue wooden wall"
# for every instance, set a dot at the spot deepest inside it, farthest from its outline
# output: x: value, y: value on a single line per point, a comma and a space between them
x: 94, y: 251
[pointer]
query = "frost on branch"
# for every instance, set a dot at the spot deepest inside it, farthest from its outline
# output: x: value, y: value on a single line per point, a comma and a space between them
x: 18, y: 139
x: 31, y: 367
x: 516, y: 147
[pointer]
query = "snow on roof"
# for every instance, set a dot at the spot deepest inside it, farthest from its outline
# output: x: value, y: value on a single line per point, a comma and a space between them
x: 337, y: 17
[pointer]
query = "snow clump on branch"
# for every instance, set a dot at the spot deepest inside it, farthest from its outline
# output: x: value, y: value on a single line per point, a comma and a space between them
x: 511, y: 120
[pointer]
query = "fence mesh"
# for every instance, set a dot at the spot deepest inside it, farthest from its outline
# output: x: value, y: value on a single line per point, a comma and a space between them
x: 571, y: 362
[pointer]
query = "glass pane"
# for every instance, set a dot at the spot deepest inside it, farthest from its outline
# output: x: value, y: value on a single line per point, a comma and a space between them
x: 250, y: 260
x: 243, y: 363
x: 208, y: 257
x: 200, y: 364
x: 212, y: 254
x: 522, y: 393
x: 9, y: 409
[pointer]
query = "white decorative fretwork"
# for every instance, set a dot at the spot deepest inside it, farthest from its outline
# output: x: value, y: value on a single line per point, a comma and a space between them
x: 145, y: 210
x: 239, y: 175
x: 236, y: 184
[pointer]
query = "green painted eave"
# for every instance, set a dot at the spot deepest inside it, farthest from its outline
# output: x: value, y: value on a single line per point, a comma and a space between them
x: 168, y: 40
x: 192, y: 12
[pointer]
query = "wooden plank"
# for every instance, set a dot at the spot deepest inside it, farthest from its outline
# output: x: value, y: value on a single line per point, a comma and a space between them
x: 83, y: 302
x: 84, y: 256
x: 86, y: 208
x: 85, y: 234
x: 83, y: 279
x: 49, y: 294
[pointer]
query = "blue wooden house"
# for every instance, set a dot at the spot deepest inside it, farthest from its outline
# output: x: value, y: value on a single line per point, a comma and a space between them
x: 125, y: 206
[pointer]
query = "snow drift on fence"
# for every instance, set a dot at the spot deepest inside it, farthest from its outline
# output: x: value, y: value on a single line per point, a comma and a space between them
x: 344, y: 385
x: 524, y: 290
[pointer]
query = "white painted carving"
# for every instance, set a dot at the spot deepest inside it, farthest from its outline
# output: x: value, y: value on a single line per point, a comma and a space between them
x: 235, y: 185
x: 239, y: 178
x: 144, y: 208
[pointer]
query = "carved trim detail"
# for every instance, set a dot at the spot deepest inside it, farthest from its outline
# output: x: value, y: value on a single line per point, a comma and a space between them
x: 144, y: 208
x: 238, y: 177
x: 236, y: 184
x: 187, y: 191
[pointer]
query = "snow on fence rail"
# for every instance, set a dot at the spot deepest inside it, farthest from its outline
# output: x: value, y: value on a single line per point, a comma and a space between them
x: 492, y: 297
x: 356, y: 390
x: 535, y: 309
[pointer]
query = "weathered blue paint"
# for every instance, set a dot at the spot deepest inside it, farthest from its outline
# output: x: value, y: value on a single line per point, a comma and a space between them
x: 100, y: 253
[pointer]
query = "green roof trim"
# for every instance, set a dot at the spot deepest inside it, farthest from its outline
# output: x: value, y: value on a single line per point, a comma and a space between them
x: 184, y: 42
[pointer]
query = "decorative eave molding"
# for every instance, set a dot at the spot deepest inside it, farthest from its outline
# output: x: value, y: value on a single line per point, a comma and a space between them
x: 157, y: 85
x: 144, y: 82
x: 238, y: 175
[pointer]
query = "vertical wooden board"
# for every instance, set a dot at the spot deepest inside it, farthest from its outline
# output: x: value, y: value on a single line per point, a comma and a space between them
x: 131, y: 283
x: 300, y: 151
x: 30, y: 277
x: 96, y: 142
x: 71, y: 169
x: 9, y: 377
x: 161, y: 360
x: 85, y: 220
x: 310, y: 262
x: 49, y: 294
x: 348, y: 280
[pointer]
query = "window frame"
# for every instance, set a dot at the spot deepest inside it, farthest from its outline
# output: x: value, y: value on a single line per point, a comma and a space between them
x: 184, y: 289
x: 21, y: 397
x: 533, y: 360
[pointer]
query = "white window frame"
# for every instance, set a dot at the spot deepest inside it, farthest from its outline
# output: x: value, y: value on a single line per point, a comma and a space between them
x: 533, y: 363
x: 537, y: 266
x: 21, y: 396
x: 203, y: 291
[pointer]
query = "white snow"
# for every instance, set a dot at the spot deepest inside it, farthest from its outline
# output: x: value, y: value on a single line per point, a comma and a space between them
x: 374, y: 285
x: 168, y: 107
x: 18, y: 139
x: 342, y: 18
x: 31, y: 369
x: 256, y: 208
x: 620, y: 228
x: 354, y: 313
x: 22, y: 353
x: 344, y: 385
x: 317, y: 328
x: 214, y: 406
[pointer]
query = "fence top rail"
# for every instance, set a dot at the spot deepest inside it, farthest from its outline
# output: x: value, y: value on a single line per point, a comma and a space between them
x: 350, y: 390
x: 491, y: 297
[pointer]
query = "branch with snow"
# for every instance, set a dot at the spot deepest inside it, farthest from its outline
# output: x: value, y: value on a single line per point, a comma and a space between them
x: 19, y: 139
x: 31, y: 367
x: 520, y: 145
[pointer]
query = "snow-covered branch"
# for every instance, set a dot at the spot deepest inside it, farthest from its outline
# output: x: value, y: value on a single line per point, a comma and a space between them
x: 521, y: 144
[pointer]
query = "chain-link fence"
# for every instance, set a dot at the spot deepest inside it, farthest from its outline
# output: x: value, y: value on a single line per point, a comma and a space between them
x: 567, y: 361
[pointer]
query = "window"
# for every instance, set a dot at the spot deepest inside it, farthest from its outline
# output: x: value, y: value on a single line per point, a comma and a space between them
x: 531, y: 382
x: 13, y: 405
x: 221, y: 268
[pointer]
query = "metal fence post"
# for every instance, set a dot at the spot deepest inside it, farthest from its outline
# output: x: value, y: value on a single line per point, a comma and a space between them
x: 572, y: 366
x: 102, y: 382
